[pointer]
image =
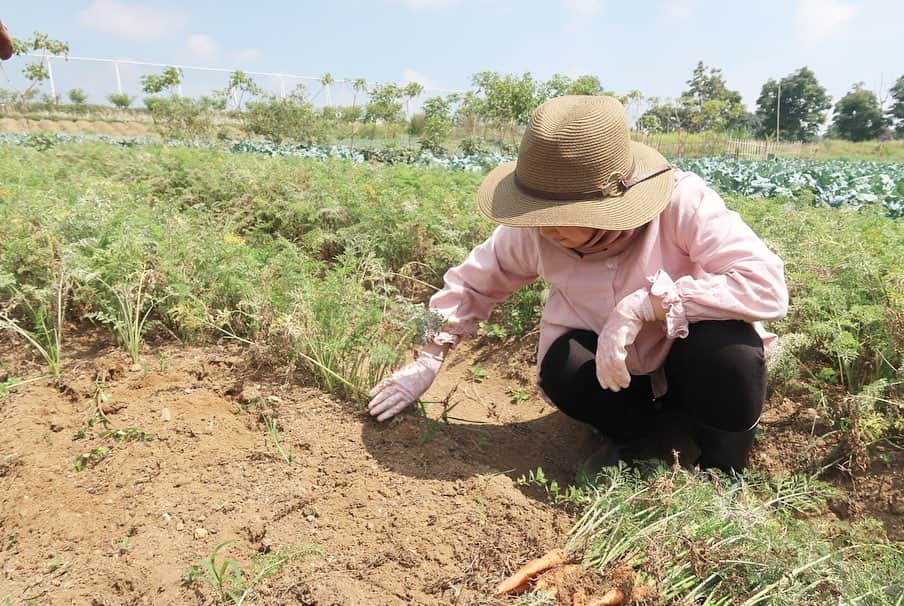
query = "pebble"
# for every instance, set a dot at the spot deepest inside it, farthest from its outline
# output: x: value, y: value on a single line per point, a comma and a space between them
x: 310, y: 517
x: 165, y: 414
x: 180, y: 526
x: 200, y: 533
x: 167, y: 517
x: 135, y: 367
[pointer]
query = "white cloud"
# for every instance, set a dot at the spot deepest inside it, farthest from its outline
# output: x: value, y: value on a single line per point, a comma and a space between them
x: 679, y: 10
x: 583, y: 8
x: 821, y: 20
x: 130, y: 21
x: 203, y: 48
x: 248, y: 55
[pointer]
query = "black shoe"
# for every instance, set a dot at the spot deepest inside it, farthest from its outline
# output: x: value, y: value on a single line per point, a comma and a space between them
x: 724, y: 450
x: 607, y: 455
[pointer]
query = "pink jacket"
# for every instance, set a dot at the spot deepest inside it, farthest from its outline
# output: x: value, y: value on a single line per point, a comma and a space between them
x: 704, y: 261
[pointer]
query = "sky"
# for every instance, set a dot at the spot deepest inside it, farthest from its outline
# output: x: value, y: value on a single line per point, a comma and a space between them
x: 651, y: 46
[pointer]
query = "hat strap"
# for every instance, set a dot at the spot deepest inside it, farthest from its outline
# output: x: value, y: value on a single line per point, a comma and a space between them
x: 616, y: 180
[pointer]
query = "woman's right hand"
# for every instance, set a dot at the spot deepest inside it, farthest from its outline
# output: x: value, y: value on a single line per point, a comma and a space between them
x: 396, y: 392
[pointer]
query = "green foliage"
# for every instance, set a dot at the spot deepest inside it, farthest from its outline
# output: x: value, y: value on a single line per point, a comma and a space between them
x: 708, y: 104
x: 437, y: 124
x: 508, y: 99
x: 804, y: 103
x: 167, y: 81
x: 705, y: 540
x: 39, y: 43
x: 895, y: 114
x: 384, y: 104
x: 77, y: 96
x: 120, y: 100
x: 231, y: 583
x: 240, y: 84
x: 182, y: 118
x: 858, y: 115
x: 284, y: 119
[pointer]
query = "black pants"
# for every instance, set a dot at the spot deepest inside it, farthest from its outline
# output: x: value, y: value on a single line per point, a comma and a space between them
x: 717, y: 384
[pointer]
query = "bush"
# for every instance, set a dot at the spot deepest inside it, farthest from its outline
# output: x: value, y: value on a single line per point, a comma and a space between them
x: 77, y: 96
x: 121, y: 100
x: 288, y: 119
x: 182, y: 117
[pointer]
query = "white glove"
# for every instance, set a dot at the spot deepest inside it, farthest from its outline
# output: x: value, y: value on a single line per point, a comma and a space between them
x: 396, y: 392
x: 620, y: 330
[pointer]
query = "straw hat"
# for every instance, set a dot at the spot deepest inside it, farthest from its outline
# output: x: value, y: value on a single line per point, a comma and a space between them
x: 577, y: 166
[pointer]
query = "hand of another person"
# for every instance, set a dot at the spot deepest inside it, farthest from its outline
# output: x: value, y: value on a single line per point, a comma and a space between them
x: 6, y: 43
x: 618, y: 332
x: 397, y: 391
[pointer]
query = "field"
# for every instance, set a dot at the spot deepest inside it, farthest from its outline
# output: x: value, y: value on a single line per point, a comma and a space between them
x: 188, y: 334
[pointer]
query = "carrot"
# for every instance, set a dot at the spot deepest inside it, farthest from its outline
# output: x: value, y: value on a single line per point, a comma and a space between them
x: 531, y: 569
x: 613, y: 597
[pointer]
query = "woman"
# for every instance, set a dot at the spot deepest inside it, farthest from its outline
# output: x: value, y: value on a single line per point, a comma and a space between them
x: 656, y: 288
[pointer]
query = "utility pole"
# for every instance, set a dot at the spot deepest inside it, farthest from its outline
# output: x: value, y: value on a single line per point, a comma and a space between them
x: 778, y: 110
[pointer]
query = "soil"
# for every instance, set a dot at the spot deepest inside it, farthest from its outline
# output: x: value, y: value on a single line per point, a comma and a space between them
x: 76, y: 127
x: 411, y: 511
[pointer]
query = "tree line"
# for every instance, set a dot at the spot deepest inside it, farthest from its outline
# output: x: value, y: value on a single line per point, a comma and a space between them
x: 792, y: 108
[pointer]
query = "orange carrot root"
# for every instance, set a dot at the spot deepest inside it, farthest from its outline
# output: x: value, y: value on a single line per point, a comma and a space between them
x: 613, y: 597
x: 531, y: 569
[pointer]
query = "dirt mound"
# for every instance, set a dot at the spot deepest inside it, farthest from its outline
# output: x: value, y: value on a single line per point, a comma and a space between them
x: 402, y: 512
x: 409, y: 511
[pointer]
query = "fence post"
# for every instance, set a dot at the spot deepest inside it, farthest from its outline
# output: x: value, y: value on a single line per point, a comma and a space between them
x: 50, y: 73
x: 118, y: 79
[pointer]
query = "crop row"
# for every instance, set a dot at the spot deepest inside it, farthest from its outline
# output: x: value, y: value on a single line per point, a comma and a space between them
x: 834, y: 183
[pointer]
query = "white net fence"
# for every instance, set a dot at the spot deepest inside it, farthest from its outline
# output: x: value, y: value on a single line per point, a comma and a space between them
x: 99, y: 78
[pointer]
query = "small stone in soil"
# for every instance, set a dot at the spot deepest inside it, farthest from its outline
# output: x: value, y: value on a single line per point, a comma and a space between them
x: 200, y: 533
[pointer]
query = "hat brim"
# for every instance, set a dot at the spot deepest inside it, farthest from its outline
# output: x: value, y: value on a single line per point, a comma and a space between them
x: 502, y: 201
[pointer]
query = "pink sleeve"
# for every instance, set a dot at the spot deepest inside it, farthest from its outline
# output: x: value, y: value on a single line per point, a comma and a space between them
x: 502, y: 264
x: 743, y: 279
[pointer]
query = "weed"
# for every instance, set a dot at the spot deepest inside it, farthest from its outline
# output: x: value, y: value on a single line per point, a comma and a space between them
x: 519, y: 395
x: 476, y: 374
x: 90, y: 458
x: 231, y: 583
x: 55, y: 562
x: 46, y: 309
x: 129, y: 317
x: 128, y: 434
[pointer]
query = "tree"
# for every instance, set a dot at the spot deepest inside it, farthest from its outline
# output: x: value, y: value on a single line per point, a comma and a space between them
x: 77, y: 96
x: 240, y: 84
x: 411, y: 90
x: 896, y: 111
x: 120, y: 100
x: 37, y: 72
x: 858, y: 115
x: 804, y: 103
x: 662, y: 117
x: 437, y: 123
x: 168, y: 80
x: 384, y: 104
x: 586, y: 85
x: 359, y: 85
x: 709, y: 104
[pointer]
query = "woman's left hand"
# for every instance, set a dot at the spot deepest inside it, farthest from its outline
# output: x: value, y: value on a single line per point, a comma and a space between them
x: 620, y: 330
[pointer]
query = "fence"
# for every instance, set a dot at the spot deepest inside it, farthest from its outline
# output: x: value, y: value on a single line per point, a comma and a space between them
x: 761, y: 150
x: 687, y: 145
x: 101, y: 77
